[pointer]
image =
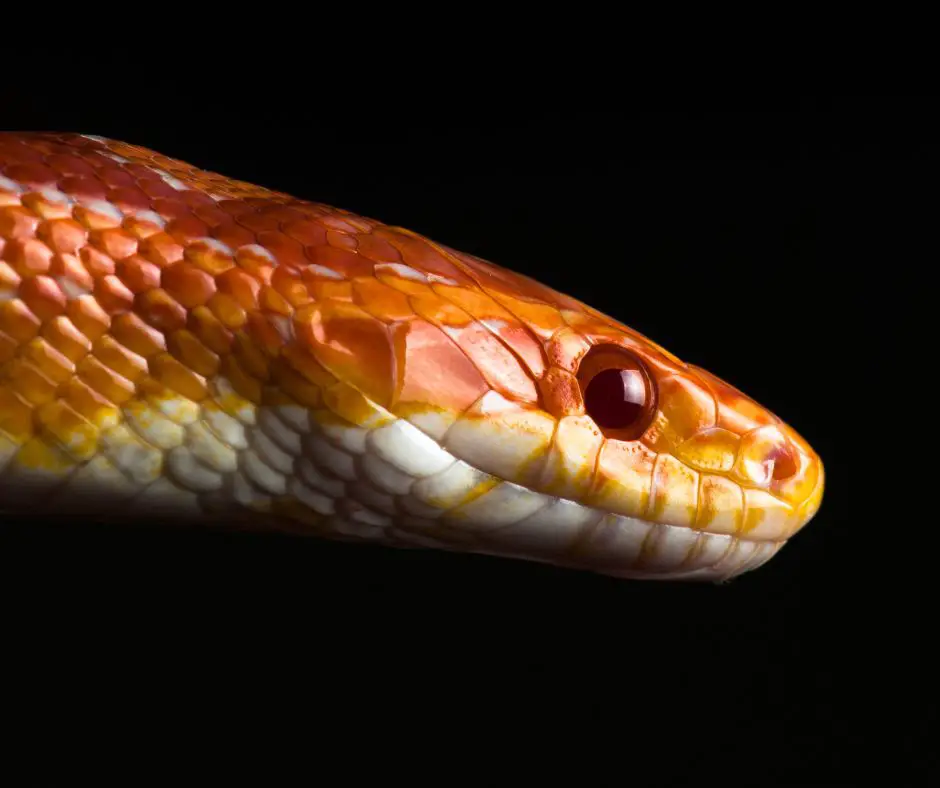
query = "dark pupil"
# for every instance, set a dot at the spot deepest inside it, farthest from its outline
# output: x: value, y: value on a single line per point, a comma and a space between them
x: 615, y: 397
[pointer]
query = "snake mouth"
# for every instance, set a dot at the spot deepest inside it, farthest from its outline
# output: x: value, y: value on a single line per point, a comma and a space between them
x: 570, y: 535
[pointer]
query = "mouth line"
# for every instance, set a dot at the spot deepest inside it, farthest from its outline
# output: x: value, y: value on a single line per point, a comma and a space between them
x: 567, y: 533
x: 635, y: 548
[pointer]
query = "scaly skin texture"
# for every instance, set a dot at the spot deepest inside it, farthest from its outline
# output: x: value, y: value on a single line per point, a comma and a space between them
x: 175, y: 343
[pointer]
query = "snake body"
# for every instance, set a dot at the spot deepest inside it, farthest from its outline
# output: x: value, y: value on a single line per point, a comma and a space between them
x: 175, y: 343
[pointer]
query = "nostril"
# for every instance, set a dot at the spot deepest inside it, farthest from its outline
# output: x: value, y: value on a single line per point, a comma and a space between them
x: 785, y: 464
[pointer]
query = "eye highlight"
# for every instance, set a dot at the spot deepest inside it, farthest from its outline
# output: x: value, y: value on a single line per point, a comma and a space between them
x: 617, y: 391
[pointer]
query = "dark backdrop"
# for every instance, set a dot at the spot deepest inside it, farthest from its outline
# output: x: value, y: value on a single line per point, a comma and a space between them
x: 788, y: 250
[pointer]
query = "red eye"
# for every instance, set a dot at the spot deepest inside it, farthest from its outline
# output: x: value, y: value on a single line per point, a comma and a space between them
x: 617, y: 391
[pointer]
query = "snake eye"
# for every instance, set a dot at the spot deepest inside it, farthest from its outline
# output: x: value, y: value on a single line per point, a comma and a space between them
x: 617, y: 391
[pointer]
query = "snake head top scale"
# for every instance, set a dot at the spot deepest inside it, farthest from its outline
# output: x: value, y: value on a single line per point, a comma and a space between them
x: 180, y: 344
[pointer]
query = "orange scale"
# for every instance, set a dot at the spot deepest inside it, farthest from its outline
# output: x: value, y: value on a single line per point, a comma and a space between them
x: 43, y: 296
x: 284, y: 214
x: 378, y: 249
x: 66, y: 164
x: 736, y: 411
x: 345, y: 222
x: 341, y: 241
x: 251, y: 356
x: 9, y: 279
x: 138, y: 274
x: 29, y: 257
x: 471, y: 300
x: 287, y: 251
x: 16, y: 416
x: 518, y: 339
x: 329, y: 289
x: 16, y: 150
x: 243, y: 288
x: 32, y: 174
x: 87, y: 186
x: 189, y: 285
x: 97, y: 263
x: 162, y: 249
x: 273, y: 301
x: 381, y: 301
x: 623, y: 480
x: 244, y: 383
x: 96, y: 217
x: 176, y: 376
x: 436, y: 310
x: 18, y: 321
x: 258, y: 221
x: 164, y: 162
x: 119, y: 359
x: 63, y: 235
x: 132, y: 332
x: 496, y: 363
x: 30, y: 383
x: 228, y: 310
x: 112, y: 295
x: 156, y: 188
x: 101, y: 163
x: 88, y: 316
x: 560, y: 393
x: 186, y: 346
x: 141, y: 228
x: 172, y: 207
x: 211, y: 214
x: 291, y: 286
x: 294, y: 385
x: 257, y: 261
x: 303, y: 362
x: 265, y: 334
x: 347, y: 264
x: 135, y: 168
x: 40, y: 205
x: 232, y: 234
x: 542, y: 320
x: 187, y: 228
x: 160, y: 310
x: 423, y: 255
x: 50, y: 362
x: 432, y: 370
x: 89, y: 403
x: 351, y: 344
x: 196, y: 199
x: 235, y: 207
x: 504, y: 280
x: 210, y: 330
x: 16, y: 222
x: 62, y: 334
x: 210, y: 259
x: 115, y: 242
x: 306, y: 232
x: 117, y: 179
x: 404, y: 284
x: 566, y: 349
x: 70, y: 267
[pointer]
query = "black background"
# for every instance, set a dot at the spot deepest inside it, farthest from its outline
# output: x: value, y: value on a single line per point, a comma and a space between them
x: 788, y: 249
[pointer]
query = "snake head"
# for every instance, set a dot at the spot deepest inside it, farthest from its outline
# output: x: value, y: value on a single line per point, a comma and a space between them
x: 586, y: 444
